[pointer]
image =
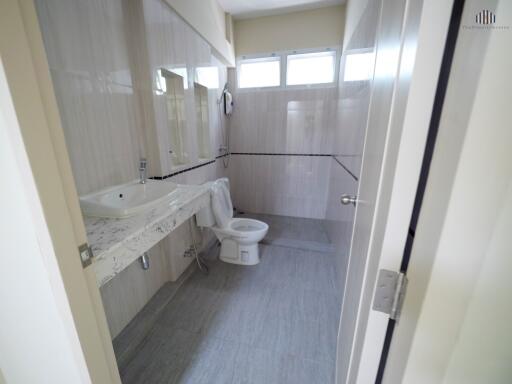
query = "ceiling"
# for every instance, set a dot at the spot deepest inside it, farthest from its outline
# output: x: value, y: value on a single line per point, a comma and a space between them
x: 243, y: 9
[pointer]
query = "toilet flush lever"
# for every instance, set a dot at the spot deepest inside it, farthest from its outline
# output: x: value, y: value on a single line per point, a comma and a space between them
x: 348, y: 199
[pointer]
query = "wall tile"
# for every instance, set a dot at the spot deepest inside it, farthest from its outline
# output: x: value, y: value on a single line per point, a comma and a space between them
x: 281, y: 185
x: 293, y: 120
x: 89, y: 64
x: 103, y: 56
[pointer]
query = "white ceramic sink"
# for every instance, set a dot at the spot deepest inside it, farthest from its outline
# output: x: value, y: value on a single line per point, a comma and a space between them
x: 128, y: 199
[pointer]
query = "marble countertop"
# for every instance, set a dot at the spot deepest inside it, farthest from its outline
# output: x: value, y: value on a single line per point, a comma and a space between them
x: 116, y: 243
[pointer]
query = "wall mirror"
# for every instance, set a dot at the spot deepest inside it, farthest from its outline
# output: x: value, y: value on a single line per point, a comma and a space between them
x: 202, y: 121
x: 172, y: 86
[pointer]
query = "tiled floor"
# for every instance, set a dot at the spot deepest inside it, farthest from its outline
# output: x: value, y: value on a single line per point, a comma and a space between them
x: 271, y: 323
x: 295, y: 232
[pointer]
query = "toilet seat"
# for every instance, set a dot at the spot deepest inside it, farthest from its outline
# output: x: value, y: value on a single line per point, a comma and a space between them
x: 244, y: 231
x: 247, y: 225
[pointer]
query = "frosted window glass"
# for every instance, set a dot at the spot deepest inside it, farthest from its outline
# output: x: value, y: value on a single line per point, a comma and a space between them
x: 260, y: 73
x: 310, y: 68
x: 359, y: 66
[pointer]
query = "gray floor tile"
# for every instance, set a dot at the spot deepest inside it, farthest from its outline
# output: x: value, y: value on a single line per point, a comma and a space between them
x: 305, y: 371
x: 214, y: 361
x: 127, y: 342
x: 256, y: 366
x: 191, y: 309
x: 162, y: 357
x: 294, y: 232
x: 272, y: 323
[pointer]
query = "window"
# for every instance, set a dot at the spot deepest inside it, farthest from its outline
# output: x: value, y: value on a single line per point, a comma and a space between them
x: 259, y: 73
x: 358, y: 66
x: 310, y: 68
x: 299, y: 68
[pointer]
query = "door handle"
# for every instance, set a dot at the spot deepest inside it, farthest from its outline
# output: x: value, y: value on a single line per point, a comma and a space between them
x: 348, y: 199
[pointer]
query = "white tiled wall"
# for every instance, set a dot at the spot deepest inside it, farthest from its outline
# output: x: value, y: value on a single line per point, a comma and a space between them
x: 90, y: 49
x: 282, y: 121
x: 172, y: 44
x: 281, y: 185
x: 103, y: 57
x: 89, y: 64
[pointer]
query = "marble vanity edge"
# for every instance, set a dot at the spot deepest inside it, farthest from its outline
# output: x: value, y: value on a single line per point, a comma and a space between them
x: 111, y: 262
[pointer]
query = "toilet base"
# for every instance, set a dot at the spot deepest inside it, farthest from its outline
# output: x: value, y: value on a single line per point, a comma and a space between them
x: 234, y: 253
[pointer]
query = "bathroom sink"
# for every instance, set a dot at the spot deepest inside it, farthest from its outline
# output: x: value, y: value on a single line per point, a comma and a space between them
x: 129, y: 199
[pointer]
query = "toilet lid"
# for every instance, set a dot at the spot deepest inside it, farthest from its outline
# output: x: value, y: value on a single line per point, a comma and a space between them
x: 221, y: 202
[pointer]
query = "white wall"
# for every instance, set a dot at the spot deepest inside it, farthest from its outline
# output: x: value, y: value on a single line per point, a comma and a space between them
x: 172, y: 43
x: 103, y: 68
x: 354, y: 10
x: 284, y: 121
x: 208, y: 18
x: 483, y: 353
x: 322, y: 27
x: 89, y: 61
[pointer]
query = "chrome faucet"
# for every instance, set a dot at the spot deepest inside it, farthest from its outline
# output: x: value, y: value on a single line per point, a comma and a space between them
x: 142, y: 170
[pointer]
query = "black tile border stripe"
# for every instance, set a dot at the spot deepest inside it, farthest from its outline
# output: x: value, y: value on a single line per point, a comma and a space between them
x: 345, y: 168
x: 280, y: 154
x: 188, y: 169
x: 298, y: 154
x: 255, y: 154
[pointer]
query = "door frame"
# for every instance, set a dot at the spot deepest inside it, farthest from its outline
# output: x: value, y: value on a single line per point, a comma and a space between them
x: 38, y: 123
x: 454, y: 117
x: 442, y: 83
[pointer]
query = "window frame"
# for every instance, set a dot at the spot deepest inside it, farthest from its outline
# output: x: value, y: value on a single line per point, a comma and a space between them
x: 283, y: 62
x: 309, y: 85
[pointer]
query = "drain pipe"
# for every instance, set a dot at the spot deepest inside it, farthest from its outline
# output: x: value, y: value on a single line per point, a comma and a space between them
x: 144, y: 261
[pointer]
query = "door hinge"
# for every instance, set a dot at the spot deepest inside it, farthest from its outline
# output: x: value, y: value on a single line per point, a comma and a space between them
x: 390, y: 293
x: 86, y: 255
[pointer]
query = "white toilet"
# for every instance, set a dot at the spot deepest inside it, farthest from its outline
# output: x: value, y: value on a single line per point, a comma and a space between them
x: 239, y: 237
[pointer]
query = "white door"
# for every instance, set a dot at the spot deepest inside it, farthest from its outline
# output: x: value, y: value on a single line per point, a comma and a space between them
x: 408, y: 56
x: 456, y: 320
